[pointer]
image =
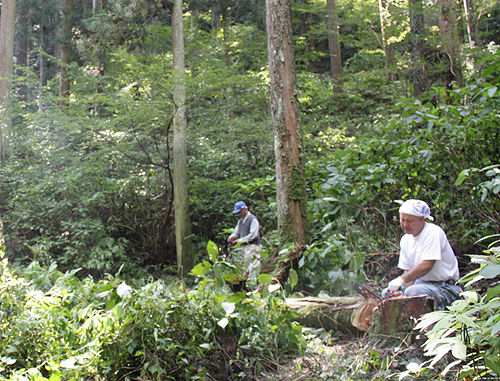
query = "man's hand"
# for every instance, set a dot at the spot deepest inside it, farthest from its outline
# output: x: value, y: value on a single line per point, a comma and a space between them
x: 234, y: 242
x: 230, y: 239
x: 396, y: 284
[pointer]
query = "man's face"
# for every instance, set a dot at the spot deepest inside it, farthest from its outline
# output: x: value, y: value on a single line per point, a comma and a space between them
x: 243, y: 212
x: 411, y: 224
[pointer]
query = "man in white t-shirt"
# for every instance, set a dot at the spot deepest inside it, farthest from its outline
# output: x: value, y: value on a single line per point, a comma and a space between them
x: 429, y: 263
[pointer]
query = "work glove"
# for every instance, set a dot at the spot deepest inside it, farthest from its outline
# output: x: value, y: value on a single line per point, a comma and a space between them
x: 396, y: 284
x: 230, y: 239
x: 234, y: 242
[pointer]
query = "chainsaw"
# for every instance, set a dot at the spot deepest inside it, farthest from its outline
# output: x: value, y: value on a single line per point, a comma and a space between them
x: 369, y: 294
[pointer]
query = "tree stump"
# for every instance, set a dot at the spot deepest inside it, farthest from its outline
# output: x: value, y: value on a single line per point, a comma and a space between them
x: 398, y: 316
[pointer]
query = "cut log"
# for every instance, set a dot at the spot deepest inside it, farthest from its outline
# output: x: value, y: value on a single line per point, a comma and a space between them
x: 329, y: 313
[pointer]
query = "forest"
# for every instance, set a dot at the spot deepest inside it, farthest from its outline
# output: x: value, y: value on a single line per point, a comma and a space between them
x: 130, y: 128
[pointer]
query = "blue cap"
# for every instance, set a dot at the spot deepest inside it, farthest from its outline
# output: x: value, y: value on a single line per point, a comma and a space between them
x: 238, y: 206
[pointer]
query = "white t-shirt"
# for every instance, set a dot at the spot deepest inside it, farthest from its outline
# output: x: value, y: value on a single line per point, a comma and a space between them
x: 431, y: 244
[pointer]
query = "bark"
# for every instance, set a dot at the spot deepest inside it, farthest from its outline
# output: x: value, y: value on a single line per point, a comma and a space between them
x: 470, y: 17
x: 21, y: 49
x: 334, y: 46
x: 183, y: 237
x: 291, y: 194
x: 420, y: 80
x: 96, y: 7
x: 398, y: 316
x: 7, y: 30
x: 387, y: 48
x: 216, y: 12
x: 65, y: 53
x: 448, y: 25
x: 327, y: 313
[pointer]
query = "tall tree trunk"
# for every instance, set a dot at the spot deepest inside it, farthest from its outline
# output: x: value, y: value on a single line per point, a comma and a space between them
x: 7, y: 30
x: 227, y: 59
x: 183, y: 237
x: 97, y: 8
x: 334, y: 46
x: 22, y: 47
x: 448, y: 25
x: 470, y: 17
x: 216, y: 11
x: 225, y: 29
x: 386, y: 47
x: 65, y: 53
x: 291, y: 193
x: 420, y: 81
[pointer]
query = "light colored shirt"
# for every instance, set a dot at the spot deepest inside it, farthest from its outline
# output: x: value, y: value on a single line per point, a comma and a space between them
x: 254, y: 230
x: 430, y: 244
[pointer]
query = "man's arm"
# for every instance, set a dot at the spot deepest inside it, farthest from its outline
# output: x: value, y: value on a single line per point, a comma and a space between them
x: 420, y: 269
x: 409, y: 276
x: 235, y: 234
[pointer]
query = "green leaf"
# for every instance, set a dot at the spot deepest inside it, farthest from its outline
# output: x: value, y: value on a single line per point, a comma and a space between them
x: 491, y: 91
x: 495, y: 329
x: 466, y: 320
x: 493, y: 362
x: 461, y: 177
x: 201, y: 269
x: 294, y: 278
x: 265, y: 278
x: 212, y: 250
x: 490, y: 271
x: 492, y: 292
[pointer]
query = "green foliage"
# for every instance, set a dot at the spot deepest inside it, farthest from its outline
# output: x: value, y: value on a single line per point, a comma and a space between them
x: 56, y: 326
x: 469, y: 328
x: 419, y: 151
x: 329, y: 265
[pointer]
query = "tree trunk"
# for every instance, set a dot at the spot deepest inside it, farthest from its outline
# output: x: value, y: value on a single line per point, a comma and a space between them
x: 448, y: 25
x: 291, y: 193
x: 65, y: 53
x: 216, y: 16
x: 22, y: 48
x: 334, y: 46
x: 327, y: 313
x: 470, y: 17
x: 183, y: 237
x: 398, y: 316
x: 7, y: 30
x: 386, y: 47
x: 97, y: 8
x: 44, y: 45
x: 420, y: 81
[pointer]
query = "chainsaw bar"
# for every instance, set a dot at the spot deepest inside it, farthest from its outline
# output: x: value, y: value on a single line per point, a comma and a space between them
x: 366, y: 292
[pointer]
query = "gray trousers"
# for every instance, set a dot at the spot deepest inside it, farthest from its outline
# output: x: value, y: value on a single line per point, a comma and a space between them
x: 443, y: 293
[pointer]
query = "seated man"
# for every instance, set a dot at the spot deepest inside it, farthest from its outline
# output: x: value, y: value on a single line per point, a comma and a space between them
x: 429, y: 263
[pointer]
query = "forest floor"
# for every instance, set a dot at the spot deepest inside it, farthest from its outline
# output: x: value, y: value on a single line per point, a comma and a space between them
x: 351, y: 358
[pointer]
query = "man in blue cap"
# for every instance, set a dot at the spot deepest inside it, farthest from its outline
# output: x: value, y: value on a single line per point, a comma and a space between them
x: 247, y: 233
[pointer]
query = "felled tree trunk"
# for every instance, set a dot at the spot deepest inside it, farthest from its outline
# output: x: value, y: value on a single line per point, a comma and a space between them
x: 328, y: 313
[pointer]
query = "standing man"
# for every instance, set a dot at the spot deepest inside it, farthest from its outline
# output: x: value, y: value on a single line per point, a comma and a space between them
x: 247, y: 233
x: 429, y: 263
